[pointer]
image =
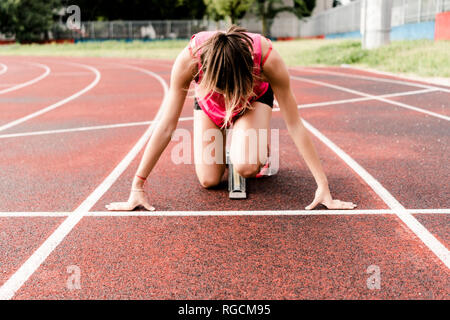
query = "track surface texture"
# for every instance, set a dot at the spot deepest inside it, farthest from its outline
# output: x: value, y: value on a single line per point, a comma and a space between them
x: 72, y: 132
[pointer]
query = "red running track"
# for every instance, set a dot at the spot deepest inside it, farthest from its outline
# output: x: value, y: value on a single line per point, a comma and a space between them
x: 311, y: 255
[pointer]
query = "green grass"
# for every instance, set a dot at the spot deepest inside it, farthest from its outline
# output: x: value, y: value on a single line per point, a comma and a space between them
x: 165, y: 49
x: 419, y: 57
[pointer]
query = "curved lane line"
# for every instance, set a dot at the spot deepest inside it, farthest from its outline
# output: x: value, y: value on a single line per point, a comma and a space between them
x: 142, y: 123
x: 377, y: 79
x: 10, y: 287
x: 4, y: 68
x: 29, y: 82
x: 59, y: 103
x: 359, y: 93
x: 82, y: 129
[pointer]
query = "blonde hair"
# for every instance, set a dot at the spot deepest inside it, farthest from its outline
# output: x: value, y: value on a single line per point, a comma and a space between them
x: 227, y: 66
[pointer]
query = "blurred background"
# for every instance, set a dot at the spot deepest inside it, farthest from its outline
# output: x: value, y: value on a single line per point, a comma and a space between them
x: 404, y: 36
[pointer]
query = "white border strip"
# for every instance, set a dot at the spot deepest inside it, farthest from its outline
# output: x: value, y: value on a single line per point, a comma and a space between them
x: 400, y: 104
x: 429, y: 211
x: 29, y: 82
x: 408, y: 219
x: 10, y: 287
x: 59, y: 103
x: 214, y: 213
x: 200, y: 213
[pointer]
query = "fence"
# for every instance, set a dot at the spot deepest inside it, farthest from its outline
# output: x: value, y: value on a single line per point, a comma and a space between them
x: 166, y: 29
x: 337, y: 20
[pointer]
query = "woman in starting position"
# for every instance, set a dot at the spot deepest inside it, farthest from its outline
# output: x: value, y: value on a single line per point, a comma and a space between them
x: 236, y: 75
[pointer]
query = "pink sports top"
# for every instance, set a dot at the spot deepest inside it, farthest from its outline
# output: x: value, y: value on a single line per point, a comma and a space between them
x: 213, y: 104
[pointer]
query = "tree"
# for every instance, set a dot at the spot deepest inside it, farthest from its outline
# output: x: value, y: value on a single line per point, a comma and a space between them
x: 266, y: 10
x: 231, y: 9
x: 28, y: 20
x: 139, y: 9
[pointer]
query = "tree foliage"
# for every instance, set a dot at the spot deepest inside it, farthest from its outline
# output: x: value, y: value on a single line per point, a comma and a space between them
x: 28, y: 20
x: 139, y: 9
x: 267, y: 10
x: 231, y: 9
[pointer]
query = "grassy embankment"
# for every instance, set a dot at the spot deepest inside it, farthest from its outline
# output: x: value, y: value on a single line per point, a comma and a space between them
x: 421, y: 57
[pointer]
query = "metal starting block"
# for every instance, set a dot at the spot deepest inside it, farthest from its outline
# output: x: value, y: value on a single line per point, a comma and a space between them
x: 236, y: 183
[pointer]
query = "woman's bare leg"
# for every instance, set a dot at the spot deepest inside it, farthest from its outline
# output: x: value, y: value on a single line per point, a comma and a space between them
x: 208, y: 139
x: 248, y: 151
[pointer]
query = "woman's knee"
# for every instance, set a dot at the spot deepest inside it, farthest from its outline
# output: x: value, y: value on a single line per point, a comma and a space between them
x: 247, y: 170
x: 209, y: 180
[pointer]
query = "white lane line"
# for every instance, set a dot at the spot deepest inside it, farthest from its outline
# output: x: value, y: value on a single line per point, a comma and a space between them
x: 429, y: 211
x: 352, y: 100
x: 37, y: 214
x: 400, y: 104
x: 71, y: 74
x: 30, y: 82
x: 10, y: 287
x: 142, y: 123
x: 20, y: 214
x: 377, y: 79
x: 81, y: 129
x: 4, y: 68
x: 202, y: 213
x: 408, y: 219
x: 406, y: 79
x: 59, y: 103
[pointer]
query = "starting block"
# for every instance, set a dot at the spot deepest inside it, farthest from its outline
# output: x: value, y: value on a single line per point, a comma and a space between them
x: 236, y: 183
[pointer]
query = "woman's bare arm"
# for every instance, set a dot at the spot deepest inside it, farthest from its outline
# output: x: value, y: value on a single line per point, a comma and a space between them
x: 180, y: 80
x: 277, y: 74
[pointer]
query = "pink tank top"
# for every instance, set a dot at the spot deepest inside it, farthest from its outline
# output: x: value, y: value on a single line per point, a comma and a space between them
x: 213, y: 103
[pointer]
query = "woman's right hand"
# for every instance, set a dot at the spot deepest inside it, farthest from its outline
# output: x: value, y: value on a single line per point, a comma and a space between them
x: 138, y: 197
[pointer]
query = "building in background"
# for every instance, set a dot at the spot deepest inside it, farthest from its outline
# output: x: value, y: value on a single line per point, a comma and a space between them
x: 322, y: 5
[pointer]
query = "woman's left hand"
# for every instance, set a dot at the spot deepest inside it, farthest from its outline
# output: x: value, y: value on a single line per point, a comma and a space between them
x: 323, y: 196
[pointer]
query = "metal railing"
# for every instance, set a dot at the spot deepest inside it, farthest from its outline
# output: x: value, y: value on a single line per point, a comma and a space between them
x: 166, y: 29
x: 151, y: 30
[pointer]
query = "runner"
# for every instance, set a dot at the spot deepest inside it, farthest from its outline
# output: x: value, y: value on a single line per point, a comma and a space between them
x: 236, y: 74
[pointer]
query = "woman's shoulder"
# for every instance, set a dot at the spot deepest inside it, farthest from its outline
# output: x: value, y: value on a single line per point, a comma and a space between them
x: 266, y: 48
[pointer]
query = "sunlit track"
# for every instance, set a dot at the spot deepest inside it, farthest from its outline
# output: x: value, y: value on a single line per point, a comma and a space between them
x: 378, y: 231
x: 408, y: 219
x: 46, y: 72
x: 376, y: 79
x: 3, y: 69
x: 10, y: 287
x: 360, y: 93
x: 59, y: 103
